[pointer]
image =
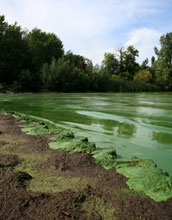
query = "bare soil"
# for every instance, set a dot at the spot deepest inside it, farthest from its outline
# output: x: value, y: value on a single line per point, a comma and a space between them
x: 19, y: 203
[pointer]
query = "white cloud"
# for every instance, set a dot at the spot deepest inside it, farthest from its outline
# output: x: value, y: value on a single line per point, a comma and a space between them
x: 144, y: 40
x: 90, y: 27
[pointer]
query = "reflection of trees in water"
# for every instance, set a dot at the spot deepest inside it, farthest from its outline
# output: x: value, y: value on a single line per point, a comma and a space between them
x: 163, y: 138
x: 125, y: 129
x: 109, y: 124
x: 119, y: 129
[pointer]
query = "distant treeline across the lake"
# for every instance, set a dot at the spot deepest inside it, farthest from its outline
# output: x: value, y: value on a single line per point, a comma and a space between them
x: 36, y: 61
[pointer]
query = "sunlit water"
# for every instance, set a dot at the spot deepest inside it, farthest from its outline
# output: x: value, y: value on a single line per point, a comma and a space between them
x: 135, y: 124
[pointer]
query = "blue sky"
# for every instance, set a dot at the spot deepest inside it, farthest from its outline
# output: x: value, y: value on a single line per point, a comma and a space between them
x: 93, y: 27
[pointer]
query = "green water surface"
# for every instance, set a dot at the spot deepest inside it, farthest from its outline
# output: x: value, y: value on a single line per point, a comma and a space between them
x: 136, y: 124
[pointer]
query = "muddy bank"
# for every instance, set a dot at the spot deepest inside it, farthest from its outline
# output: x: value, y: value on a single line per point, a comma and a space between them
x: 41, y: 183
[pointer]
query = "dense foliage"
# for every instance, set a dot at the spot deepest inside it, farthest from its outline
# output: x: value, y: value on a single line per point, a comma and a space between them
x: 36, y: 61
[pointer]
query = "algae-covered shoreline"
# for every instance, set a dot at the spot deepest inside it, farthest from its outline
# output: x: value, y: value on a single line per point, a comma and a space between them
x: 135, y: 124
x: 144, y: 176
x: 55, y: 170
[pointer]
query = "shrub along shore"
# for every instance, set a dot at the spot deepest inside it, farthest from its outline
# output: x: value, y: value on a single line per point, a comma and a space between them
x: 33, y: 61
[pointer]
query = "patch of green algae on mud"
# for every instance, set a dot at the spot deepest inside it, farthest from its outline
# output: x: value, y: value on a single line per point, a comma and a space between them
x: 28, y: 163
x: 53, y: 184
x: 100, y: 207
x: 143, y: 175
x: 146, y: 177
x: 41, y: 181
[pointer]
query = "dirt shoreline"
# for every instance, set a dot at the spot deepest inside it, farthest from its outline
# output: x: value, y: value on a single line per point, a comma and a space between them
x: 40, y: 183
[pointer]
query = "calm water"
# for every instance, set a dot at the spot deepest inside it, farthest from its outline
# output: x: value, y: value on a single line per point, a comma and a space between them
x: 135, y: 124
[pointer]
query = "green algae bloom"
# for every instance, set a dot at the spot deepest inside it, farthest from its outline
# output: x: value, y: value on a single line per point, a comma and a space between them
x: 106, y: 157
x: 143, y: 175
x: 73, y: 146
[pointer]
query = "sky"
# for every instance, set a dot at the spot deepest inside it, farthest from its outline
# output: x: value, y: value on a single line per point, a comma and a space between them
x: 94, y: 27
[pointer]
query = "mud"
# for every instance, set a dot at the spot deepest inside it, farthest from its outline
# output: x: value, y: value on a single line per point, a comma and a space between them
x: 8, y: 160
x: 104, y: 196
x: 17, y: 203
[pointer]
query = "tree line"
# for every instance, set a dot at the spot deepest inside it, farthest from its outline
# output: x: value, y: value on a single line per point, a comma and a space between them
x: 35, y: 61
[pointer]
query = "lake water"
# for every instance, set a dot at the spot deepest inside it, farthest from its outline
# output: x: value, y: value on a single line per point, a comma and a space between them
x: 136, y: 124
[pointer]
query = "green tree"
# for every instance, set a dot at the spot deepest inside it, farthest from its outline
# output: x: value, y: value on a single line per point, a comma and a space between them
x: 43, y: 47
x: 66, y: 75
x: 110, y: 64
x: 144, y: 64
x: 76, y: 60
x: 13, y: 51
x: 143, y: 76
x: 163, y: 64
x: 128, y: 63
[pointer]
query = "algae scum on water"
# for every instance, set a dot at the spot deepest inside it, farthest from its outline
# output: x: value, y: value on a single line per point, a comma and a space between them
x: 136, y: 124
x: 143, y: 175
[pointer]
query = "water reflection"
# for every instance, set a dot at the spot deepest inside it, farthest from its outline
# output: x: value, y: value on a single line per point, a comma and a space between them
x: 109, y: 124
x: 126, y: 130
x: 150, y: 111
x: 162, y: 138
